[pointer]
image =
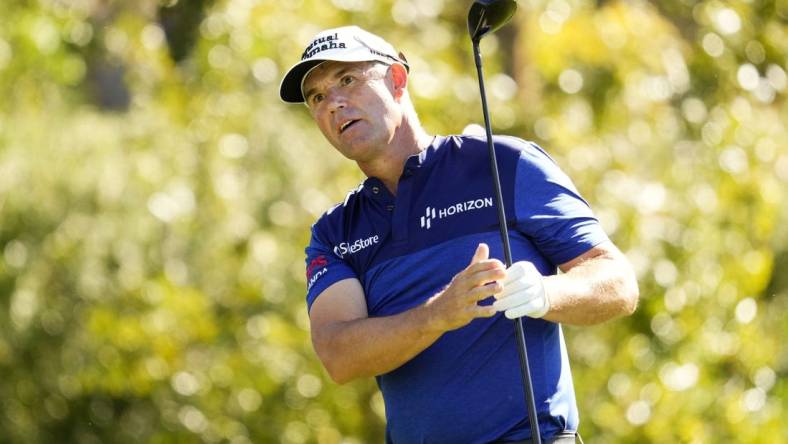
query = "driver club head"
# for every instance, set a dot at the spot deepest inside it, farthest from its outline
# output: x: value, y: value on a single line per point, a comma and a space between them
x: 486, y: 16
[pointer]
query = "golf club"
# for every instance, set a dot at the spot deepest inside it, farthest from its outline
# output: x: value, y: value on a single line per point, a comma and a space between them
x: 484, y: 17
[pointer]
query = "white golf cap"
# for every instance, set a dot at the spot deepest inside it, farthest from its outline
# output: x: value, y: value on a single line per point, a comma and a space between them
x: 345, y: 44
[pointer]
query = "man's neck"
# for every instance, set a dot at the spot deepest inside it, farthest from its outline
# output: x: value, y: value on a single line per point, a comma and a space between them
x: 389, y: 168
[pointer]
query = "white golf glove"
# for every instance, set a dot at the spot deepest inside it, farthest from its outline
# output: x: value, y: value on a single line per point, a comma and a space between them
x: 523, y: 292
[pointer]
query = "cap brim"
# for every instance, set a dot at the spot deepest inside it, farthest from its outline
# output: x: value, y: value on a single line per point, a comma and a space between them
x: 290, y: 88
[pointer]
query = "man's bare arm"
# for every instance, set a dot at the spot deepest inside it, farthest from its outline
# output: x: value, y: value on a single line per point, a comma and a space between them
x: 352, y: 345
x: 594, y: 287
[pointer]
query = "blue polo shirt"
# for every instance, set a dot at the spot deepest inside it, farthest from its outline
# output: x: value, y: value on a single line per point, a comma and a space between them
x: 466, y: 387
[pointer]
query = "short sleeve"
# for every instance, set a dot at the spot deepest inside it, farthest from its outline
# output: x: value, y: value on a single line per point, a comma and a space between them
x: 549, y: 209
x: 323, y: 268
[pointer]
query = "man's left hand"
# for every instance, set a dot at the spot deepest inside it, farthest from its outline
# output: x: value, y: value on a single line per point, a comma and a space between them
x: 523, y: 292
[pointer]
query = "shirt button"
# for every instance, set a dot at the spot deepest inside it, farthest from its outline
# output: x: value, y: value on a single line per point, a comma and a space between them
x: 390, y: 207
x: 375, y: 190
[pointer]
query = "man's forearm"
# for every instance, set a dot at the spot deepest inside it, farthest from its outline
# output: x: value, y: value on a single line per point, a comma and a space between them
x: 594, y: 291
x: 351, y: 345
x: 374, y: 346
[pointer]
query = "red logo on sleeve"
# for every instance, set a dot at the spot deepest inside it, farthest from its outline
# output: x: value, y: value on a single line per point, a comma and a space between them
x: 317, y: 262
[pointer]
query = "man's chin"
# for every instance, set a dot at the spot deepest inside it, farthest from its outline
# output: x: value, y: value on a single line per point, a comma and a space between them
x: 357, y: 150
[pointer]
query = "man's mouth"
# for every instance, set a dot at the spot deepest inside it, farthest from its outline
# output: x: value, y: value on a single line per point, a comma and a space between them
x: 346, y: 125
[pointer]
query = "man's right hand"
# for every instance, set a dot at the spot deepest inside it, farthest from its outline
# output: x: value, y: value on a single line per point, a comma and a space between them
x: 457, y: 304
x: 352, y: 345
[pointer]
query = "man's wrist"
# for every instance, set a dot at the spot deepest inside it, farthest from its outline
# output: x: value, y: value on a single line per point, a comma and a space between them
x: 546, y: 305
x: 429, y: 323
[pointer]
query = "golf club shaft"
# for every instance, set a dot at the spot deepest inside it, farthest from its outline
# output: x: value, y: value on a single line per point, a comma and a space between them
x: 507, y: 252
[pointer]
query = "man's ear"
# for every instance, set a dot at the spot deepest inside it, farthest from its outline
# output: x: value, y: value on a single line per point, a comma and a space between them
x: 399, y: 79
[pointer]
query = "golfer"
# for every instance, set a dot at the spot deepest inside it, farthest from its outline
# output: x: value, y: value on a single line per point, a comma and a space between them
x: 403, y: 277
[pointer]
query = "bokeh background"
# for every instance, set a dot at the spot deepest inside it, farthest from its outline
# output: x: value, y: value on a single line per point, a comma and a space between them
x: 156, y: 197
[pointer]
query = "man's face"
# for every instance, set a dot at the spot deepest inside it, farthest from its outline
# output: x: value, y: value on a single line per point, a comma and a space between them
x: 354, y: 107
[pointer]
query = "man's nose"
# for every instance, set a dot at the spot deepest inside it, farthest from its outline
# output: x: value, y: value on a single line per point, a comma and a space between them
x: 336, y: 101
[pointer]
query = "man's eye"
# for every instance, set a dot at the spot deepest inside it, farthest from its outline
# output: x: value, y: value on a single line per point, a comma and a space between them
x: 346, y: 80
x: 317, y: 98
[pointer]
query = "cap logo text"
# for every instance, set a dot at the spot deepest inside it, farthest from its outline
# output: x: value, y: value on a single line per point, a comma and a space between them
x: 322, y: 44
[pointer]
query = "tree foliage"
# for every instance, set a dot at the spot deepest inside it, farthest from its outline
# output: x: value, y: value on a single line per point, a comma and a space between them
x: 156, y: 196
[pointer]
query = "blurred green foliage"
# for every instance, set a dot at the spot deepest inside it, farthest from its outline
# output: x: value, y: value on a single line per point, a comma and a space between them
x: 155, y: 199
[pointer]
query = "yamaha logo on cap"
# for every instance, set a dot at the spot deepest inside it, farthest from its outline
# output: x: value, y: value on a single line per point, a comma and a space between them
x: 344, y: 44
x: 323, y: 44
